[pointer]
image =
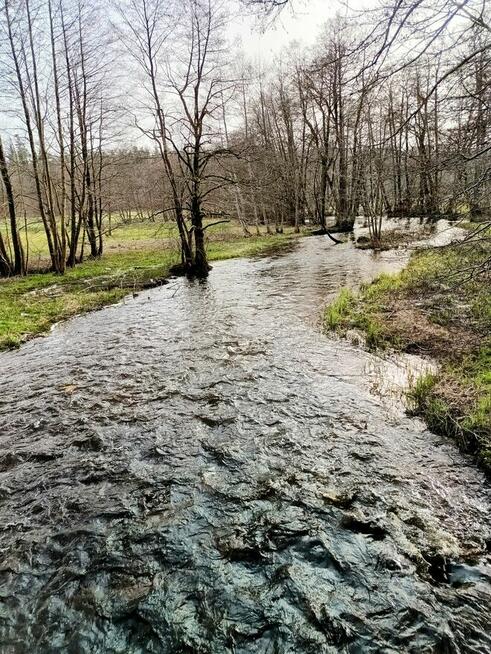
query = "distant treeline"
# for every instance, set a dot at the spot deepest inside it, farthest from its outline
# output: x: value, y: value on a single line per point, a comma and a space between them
x: 388, y: 118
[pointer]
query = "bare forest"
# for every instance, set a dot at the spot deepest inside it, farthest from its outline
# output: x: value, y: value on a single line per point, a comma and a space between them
x: 145, y: 111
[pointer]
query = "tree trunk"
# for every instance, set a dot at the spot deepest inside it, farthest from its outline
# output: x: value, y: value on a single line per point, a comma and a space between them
x: 18, y: 265
x: 200, y: 266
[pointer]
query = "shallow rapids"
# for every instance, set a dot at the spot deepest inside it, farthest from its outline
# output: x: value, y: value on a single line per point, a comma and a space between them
x: 199, y: 469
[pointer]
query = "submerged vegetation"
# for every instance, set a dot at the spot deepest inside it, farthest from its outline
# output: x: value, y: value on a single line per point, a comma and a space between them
x: 439, y: 306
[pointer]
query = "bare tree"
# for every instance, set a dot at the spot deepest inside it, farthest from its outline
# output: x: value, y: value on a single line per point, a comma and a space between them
x: 200, y: 85
x: 58, y: 70
x: 17, y: 265
x: 185, y: 109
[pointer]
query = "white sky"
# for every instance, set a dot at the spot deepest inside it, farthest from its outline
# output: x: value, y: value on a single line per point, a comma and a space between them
x: 302, y: 23
x: 263, y: 39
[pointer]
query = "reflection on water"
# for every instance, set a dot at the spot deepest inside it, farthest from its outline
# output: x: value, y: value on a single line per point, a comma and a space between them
x: 199, y: 470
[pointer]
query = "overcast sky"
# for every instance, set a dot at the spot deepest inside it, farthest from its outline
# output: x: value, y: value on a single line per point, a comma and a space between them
x: 301, y: 23
x: 263, y: 40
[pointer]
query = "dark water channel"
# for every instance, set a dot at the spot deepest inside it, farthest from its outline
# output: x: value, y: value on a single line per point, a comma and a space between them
x: 200, y: 470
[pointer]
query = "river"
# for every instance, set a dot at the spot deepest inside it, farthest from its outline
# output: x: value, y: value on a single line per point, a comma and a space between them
x: 200, y: 469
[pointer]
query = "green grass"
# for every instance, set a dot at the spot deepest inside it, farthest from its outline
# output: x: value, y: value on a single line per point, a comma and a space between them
x: 247, y: 247
x: 124, y: 235
x: 456, y: 402
x: 31, y: 305
x: 435, y: 307
x: 339, y: 309
x: 361, y: 311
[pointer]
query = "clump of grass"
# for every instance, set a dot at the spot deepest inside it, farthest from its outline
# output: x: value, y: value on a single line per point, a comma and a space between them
x: 374, y: 332
x: 361, y: 311
x: 456, y: 402
x: 436, y: 411
x: 339, y: 311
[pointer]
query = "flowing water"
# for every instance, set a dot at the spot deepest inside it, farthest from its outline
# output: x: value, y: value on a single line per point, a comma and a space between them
x: 199, y: 469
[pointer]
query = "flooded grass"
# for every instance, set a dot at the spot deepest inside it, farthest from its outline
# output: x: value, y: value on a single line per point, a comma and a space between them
x: 439, y: 306
x: 394, y: 238
x: 30, y: 305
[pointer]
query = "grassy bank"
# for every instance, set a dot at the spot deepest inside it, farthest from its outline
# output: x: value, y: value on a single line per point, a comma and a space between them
x: 439, y: 306
x: 136, y: 257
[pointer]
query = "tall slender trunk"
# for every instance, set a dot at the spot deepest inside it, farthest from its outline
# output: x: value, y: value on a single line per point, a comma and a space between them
x: 5, y: 263
x: 62, y: 202
x: 74, y: 222
x: 18, y: 264
x: 30, y: 135
x: 58, y: 261
x: 200, y: 266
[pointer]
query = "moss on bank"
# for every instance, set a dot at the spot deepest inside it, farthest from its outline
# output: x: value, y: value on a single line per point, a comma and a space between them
x: 439, y: 306
x: 31, y: 305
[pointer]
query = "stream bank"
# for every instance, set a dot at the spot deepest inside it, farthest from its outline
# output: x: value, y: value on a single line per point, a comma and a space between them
x: 439, y: 306
x: 31, y: 305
